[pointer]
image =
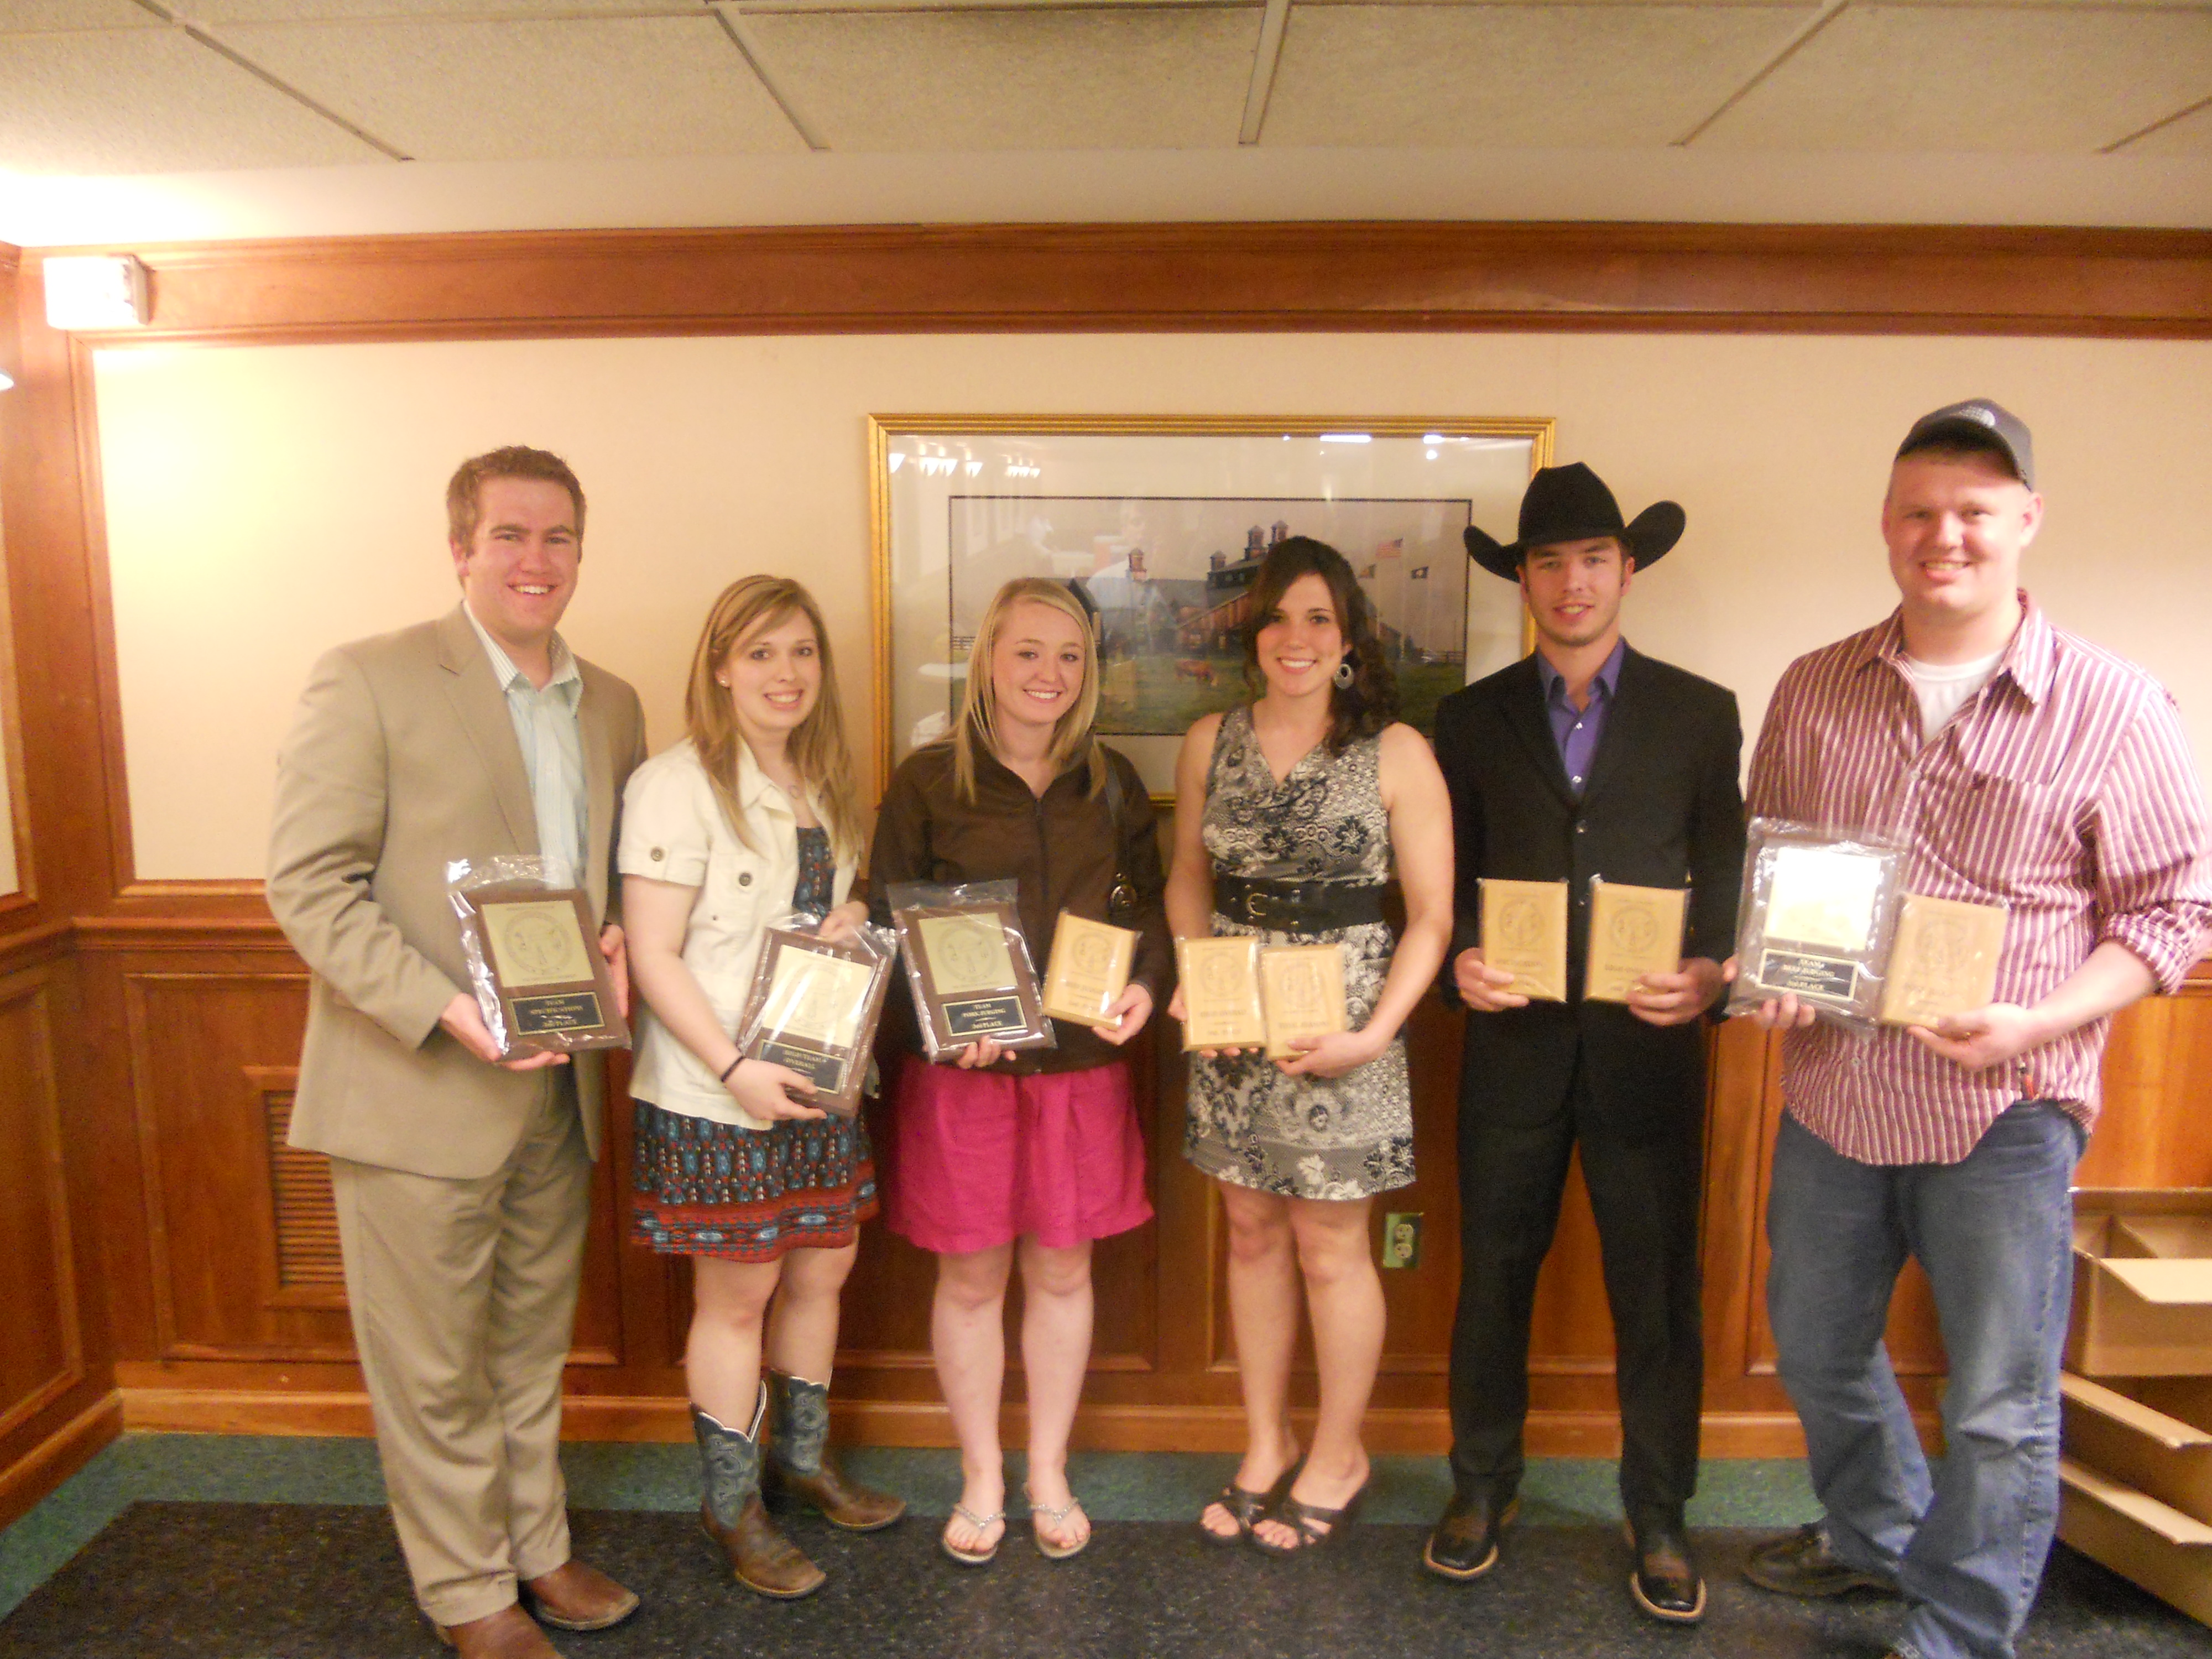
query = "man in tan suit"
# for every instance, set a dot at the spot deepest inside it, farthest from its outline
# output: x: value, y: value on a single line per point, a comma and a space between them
x: 462, y: 1181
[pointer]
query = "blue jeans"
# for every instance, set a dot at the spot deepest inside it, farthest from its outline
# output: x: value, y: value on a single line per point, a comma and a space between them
x: 1995, y: 1234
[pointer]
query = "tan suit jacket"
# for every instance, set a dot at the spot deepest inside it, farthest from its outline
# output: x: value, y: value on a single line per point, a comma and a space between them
x: 402, y: 758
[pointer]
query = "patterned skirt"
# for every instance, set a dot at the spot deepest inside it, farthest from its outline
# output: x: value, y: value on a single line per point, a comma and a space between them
x: 706, y: 1189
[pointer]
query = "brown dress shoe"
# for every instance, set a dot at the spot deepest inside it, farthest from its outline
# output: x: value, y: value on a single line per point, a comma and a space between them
x: 507, y: 1634
x: 760, y: 1557
x: 802, y: 1471
x: 573, y: 1596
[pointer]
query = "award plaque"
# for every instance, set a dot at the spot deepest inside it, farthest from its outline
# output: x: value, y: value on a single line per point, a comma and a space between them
x: 1524, y: 933
x: 541, y: 964
x: 1634, y: 931
x: 1817, y: 913
x: 1943, y: 961
x: 1221, y: 993
x: 1302, y: 989
x: 813, y: 1007
x: 971, y: 976
x: 1089, y: 970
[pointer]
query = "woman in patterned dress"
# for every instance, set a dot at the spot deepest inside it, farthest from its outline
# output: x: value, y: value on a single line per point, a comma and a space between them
x: 753, y: 816
x: 1290, y: 815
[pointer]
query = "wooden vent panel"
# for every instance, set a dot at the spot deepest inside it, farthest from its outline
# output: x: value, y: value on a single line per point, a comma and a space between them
x: 310, y: 1269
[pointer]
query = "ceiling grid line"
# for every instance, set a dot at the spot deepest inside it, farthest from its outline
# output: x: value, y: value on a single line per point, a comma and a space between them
x: 1830, y: 10
x: 2159, y: 125
x: 230, y: 55
x: 748, y: 45
x: 1265, y: 60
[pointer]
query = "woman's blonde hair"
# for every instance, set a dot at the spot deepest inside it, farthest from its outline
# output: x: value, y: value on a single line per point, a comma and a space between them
x: 817, y: 747
x: 979, y: 704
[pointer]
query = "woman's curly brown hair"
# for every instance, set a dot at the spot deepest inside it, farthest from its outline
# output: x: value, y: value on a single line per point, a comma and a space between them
x: 1370, y: 702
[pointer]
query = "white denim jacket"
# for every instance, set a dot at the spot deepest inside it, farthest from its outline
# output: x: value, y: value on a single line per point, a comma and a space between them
x: 673, y: 831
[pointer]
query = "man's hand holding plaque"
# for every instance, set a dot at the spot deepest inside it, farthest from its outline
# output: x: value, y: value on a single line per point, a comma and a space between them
x: 1818, y: 911
x: 534, y: 962
x: 1524, y: 933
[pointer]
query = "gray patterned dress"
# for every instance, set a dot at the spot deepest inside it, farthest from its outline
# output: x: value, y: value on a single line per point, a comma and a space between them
x: 1302, y: 1137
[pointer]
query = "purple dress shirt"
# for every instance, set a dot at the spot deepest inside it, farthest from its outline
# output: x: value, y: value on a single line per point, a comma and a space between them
x: 1577, y: 730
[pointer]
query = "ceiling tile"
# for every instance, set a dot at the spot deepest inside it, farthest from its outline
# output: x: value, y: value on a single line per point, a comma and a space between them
x: 18, y: 14
x: 1514, y: 77
x: 585, y: 89
x: 1038, y: 78
x: 150, y: 100
x: 1936, y: 78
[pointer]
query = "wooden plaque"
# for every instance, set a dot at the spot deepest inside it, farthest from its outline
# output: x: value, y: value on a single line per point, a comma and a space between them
x: 969, y: 979
x: 1220, y: 979
x: 1524, y: 931
x: 1089, y: 970
x: 1943, y: 960
x: 541, y: 955
x: 1634, y: 931
x: 813, y: 1007
x: 1302, y: 989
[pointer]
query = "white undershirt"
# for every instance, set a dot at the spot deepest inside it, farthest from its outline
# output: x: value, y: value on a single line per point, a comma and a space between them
x: 1944, y: 687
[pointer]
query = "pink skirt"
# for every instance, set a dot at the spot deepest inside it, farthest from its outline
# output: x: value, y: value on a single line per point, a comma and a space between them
x: 976, y: 1159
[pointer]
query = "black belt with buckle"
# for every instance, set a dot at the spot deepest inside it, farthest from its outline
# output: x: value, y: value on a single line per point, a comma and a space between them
x: 1298, y: 906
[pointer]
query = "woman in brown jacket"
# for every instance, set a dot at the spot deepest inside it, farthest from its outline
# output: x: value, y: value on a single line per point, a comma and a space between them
x: 999, y: 1155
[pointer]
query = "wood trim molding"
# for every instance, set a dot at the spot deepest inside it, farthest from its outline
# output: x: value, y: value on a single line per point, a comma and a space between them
x: 59, y: 1456
x: 1404, y: 1431
x: 1847, y: 279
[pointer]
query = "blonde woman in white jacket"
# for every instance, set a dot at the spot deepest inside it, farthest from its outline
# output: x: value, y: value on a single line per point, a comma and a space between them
x: 753, y: 815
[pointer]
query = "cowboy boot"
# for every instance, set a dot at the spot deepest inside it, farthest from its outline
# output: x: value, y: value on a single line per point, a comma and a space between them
x: 760, y: 1557
x: 802, y: 1470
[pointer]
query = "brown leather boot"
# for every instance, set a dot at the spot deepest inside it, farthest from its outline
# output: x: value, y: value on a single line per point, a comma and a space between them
x: 801, y: 1470
x: 760, y: 1557
x: 508, y: 1634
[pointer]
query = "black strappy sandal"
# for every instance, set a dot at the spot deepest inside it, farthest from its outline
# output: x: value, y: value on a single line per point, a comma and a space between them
x: 1315, y: 1528
x: 1246, y: 1507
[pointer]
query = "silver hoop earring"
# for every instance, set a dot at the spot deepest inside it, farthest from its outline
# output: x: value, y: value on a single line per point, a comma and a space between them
x: 1343, y: 674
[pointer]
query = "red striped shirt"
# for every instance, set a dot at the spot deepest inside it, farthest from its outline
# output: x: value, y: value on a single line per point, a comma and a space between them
x: 2063, y: 790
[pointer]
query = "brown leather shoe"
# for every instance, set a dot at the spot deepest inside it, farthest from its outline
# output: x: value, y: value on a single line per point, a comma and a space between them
x: 760, y: 1557
x: 507, y: 1634
x: 573, y: 1596
x: 800, y: 1469
x: 1665, y: 1583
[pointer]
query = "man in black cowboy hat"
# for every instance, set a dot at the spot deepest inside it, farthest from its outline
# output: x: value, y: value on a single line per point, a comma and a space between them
x: 1586, y: 761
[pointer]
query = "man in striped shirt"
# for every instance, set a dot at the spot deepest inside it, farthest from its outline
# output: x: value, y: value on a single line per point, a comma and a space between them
x: 2019, y: 766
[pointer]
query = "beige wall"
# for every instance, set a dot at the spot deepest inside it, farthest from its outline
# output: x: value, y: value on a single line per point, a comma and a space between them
x: 265, y: 502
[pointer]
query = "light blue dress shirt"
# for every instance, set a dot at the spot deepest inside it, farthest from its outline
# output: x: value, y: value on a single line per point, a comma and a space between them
x: 552, y: 742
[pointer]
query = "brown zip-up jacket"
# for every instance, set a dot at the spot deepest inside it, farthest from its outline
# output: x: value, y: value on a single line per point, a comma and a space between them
x: 1060, y: 846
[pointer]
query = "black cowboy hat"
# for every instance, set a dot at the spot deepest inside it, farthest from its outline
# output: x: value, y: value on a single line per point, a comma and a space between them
x: 1571, y: 504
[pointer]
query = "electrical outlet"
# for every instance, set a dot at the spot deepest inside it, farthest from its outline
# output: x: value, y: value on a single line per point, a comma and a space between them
x: 1401, y: 1239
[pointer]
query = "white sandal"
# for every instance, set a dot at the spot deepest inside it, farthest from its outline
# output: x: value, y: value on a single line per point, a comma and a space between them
x: 1058, y: 1518
x: 975, y: 1557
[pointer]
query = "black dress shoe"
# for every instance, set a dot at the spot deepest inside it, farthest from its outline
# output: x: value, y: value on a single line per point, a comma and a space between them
x: 1802, y: 1563
x: 1464, y: 1544
x: 1665, y: 1583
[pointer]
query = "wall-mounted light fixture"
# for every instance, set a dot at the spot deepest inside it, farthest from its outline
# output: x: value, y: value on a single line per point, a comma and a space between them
x: 90, y: 291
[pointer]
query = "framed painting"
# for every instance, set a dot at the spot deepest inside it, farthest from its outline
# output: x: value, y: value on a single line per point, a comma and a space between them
x: 1159, y: 524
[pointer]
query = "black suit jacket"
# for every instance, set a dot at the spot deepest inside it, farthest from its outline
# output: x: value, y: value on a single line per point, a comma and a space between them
x: 1662, y: 808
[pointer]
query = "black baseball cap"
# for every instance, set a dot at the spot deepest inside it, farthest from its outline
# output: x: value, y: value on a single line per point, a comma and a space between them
x: 1985, y: 424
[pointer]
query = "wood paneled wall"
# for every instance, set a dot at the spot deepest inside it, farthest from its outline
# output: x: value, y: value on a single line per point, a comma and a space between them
x: 57, y: 1403
x: 149, y: 1031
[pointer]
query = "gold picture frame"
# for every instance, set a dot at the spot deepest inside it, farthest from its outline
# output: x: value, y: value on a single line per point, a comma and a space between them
x: 1157, y: 519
